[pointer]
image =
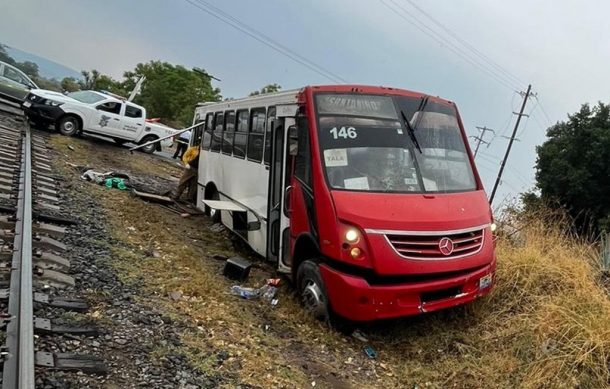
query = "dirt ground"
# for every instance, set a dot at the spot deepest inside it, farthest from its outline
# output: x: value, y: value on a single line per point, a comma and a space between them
x: 169, y: 261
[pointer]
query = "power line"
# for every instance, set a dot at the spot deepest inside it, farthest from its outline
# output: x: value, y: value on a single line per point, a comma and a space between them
x: 414, y: 21
x: 480, y: 140
x: 467, y: 45
x: 510, y: 144
x: 264, y: 39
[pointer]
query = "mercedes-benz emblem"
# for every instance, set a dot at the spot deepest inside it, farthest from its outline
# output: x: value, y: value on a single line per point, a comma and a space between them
x: 445, y: 246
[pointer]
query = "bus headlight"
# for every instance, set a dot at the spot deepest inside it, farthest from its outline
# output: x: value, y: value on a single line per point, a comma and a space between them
x: 352, y: 236
x: 493, y: 227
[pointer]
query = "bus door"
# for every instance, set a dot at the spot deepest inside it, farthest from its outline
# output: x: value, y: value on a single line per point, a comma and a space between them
x: 278, y: 249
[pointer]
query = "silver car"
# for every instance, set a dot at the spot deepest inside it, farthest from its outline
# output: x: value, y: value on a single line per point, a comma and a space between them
x: 14, y: 84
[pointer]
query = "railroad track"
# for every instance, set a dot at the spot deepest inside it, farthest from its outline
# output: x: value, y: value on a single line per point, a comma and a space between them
x: 31, y: 227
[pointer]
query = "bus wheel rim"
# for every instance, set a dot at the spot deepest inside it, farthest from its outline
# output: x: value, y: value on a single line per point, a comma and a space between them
x: 314, y: 299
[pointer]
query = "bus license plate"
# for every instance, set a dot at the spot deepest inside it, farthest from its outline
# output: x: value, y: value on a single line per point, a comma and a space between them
x: 485, y: 282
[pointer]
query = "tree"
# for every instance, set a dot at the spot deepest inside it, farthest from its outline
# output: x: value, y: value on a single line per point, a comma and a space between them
x: 171, y: 91
x: 573, y: 167
x: 94, y: 80
x: 4, y: 56
x: 28, y: 67
x: 267, y: 89
x: 69, y: 84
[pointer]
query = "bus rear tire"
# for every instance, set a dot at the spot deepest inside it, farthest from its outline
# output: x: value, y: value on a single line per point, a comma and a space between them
x: 214, y: 214
x: 312, y: 291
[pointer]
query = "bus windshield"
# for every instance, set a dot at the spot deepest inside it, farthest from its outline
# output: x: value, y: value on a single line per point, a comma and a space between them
x: 366, y: 146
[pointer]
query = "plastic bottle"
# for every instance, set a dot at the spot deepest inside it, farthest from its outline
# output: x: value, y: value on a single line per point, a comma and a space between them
x: 245, y: 293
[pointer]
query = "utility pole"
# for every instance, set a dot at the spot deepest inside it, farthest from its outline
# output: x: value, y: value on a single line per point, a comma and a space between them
x: 510, y: 143
x: 480, y: 138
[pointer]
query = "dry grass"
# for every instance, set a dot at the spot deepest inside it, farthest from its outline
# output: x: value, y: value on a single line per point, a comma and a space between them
x: 546, y: 324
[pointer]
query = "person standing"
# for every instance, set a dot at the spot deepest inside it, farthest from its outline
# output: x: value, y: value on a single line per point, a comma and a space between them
x: 189, y: 176
x: 182, y: 144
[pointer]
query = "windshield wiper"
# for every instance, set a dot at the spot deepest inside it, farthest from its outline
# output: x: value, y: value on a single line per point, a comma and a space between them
x: 411, y: 131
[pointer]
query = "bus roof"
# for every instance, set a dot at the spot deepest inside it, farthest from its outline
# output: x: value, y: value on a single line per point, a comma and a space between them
x: 291, y: 96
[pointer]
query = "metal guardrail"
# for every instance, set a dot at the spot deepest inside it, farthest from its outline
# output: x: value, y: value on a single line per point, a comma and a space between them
x: 18, y: 369
x: 177, y: 133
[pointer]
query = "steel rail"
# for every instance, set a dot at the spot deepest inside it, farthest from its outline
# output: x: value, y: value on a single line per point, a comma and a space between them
x: 18, y: 369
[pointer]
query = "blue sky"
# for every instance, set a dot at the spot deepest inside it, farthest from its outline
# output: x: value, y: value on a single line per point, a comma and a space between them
x: 559, y: 47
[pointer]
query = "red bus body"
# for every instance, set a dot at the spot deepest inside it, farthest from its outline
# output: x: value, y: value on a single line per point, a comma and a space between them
x: 383, y: 282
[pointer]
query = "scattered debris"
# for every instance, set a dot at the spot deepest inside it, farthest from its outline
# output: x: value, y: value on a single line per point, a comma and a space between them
x: 266, y: 292
x: 71, y: 147
x: 370, y: 352
x: 152, y: 197
x: 219, y: 257
x: 245, y: 293
x: 176, y: 295
x: 274, y: 281
x: 237, y: 268
x: 217, y: 227
x: 357, y: 334
x: 101, y: 178
x: 185, y: 215
x: 274, y: 302
x: 115, y: 182
x: 156, y: 254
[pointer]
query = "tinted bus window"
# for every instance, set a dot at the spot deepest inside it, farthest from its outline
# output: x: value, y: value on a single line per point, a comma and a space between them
x: 207, y: 135
x: 269, y: 128
x: 217, y: 134
x: 241, y: 134
x: 229, y: 132
x: 256, y: 135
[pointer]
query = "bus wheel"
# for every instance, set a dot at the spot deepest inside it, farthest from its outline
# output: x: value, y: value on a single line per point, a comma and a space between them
x: 312, y: 291
x: 214, y: 214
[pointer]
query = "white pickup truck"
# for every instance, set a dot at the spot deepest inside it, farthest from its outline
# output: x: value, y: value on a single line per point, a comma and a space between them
x: 96, y: 113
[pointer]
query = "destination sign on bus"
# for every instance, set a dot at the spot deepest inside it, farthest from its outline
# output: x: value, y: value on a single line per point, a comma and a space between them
x: 360, y: 105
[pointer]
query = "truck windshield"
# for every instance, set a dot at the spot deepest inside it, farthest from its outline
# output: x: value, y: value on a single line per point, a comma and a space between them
x: 367, y: 147
x: 85, y: 96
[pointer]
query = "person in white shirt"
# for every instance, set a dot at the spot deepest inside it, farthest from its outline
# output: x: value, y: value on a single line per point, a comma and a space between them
x: 182, y: 143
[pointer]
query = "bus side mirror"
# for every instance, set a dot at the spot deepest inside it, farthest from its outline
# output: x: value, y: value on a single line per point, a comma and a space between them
x: 293, y: 141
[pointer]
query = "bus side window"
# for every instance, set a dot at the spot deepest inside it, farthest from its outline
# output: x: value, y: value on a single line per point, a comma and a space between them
x: 217, y: 134
x: 256, y: 136
x: 207, y: 135
x: 268, y: 135
x: 241, y: 134
x: 197, y: 134
x: 229, y: 132
x: 302, y: 168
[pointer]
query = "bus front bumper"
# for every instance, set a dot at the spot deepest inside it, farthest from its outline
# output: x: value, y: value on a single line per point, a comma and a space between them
x: 353, y: 298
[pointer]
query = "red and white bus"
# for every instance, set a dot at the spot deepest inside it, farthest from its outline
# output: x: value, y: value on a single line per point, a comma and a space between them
x: 367, y: 197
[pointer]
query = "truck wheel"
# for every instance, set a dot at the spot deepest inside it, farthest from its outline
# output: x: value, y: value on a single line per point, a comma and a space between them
x: 150, y: 148
x: 312, y: 291
x: 68, y: 125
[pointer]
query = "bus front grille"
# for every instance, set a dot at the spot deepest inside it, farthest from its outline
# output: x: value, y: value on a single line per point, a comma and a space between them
x: 437, y: 246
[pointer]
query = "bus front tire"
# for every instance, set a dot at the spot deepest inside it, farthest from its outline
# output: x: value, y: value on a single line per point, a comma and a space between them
x: 312, y: 291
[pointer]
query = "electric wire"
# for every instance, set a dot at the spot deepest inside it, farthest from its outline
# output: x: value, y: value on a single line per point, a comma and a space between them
x: 217, y: 13
x: 503, y: 80
x: 467, y: 45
